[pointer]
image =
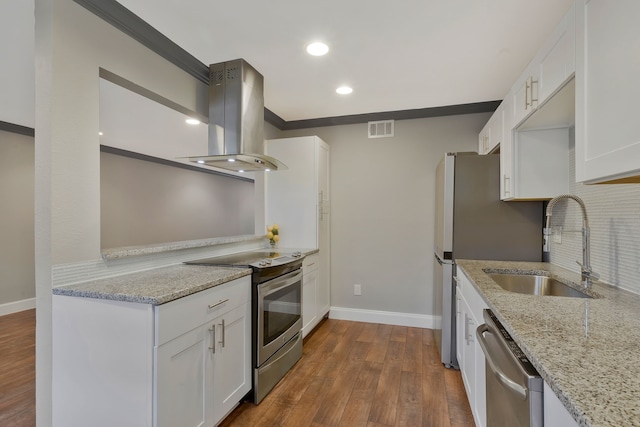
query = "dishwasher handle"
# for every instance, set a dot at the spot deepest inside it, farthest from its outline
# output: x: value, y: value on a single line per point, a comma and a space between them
x: 502, y: 377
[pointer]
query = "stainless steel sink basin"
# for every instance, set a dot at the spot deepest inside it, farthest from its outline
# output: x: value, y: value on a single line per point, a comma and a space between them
x: 535, y: 285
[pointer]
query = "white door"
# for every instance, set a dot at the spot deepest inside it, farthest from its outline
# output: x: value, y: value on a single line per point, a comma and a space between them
x: 232, y: 363
x: 181, y: 384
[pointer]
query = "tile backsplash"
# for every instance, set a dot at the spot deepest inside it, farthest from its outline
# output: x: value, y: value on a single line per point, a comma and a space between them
x: 614, y: 218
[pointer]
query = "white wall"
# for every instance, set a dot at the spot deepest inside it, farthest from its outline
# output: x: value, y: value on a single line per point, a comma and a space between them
x: 614, y: 220
x: 71, y: 44
x: 382, y: 209
x: 17, y: 73
x: 17, y: 279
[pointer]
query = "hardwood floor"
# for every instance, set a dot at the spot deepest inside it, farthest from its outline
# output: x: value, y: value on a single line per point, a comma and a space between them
x: 363, y: 375
x: 351, y: 374
x: 17, y: 369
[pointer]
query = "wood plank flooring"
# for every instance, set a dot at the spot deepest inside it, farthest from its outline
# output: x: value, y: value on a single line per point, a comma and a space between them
x: 363, y: 375
x: 351, y: 374
x: 17, y: 369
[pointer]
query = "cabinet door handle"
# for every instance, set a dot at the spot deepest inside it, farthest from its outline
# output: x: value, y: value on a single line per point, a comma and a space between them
x: 212, y: 330
x: 534, y: 99
x: 218, y: 303
x: 467, y: 321
x: 222, y: 341
x: 507, y: 181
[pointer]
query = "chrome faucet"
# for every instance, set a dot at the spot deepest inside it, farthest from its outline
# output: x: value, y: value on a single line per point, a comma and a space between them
x: 587, y: 274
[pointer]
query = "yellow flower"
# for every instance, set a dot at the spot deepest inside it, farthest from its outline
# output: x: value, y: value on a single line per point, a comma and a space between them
x: 269, y: 228
x: 276, y: 238
x: 275, y: 226
x: 269, y: 235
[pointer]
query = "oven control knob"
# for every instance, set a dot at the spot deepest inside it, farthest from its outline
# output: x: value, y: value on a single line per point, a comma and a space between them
x: 268, y: 261
x: 262, y: 263
x: 296, y: 254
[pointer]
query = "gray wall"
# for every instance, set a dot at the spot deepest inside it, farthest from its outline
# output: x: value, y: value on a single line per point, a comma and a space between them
x: 143, y: 203
x: 614, y: 219
x: 17, y: 277
x: 382, y: 209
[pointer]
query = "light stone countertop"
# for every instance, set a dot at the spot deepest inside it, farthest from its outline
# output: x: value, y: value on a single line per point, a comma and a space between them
x: 587, y: 350
x: 129, y: 251
x: 157, y: 286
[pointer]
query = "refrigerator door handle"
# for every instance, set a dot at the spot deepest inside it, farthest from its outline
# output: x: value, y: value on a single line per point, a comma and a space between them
x: 440, y: 260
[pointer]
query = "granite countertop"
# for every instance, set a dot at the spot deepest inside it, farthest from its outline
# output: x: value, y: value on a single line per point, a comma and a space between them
x: 585, y: 349
x: 156, y: 286
x: 130, y: 251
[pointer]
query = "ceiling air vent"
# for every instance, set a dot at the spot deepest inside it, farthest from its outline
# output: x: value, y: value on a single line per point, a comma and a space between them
x: 381, y: 129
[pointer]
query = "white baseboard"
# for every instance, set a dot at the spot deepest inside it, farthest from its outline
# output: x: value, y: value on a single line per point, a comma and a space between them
x: 385, y: 317
x: 16, y: 306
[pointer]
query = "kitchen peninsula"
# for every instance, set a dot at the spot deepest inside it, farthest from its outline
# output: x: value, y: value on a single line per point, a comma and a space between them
x: 166, y: 346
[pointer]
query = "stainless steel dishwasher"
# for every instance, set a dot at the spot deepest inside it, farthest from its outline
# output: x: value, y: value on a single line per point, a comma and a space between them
x: 514, y: 387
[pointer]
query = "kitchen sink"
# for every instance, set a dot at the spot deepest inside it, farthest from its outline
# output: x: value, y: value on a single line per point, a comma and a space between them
x: 535, y: 284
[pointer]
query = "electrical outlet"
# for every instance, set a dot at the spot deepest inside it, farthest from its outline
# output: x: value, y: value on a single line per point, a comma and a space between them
x: 357, y: 290
x: 556, y: 233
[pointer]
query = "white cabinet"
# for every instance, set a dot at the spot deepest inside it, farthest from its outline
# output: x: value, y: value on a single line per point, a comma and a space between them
x: 558, y: 59
x: 491, y: 135
x: 555, y: 414
x: 186, y: 362
x: 607, y: 91
x: 536, y: 165
x: 182, y: 384
x: 310, y: 313
x: 232, y: 359
x: 299, y: 200
x: 536, y: 116
x: 470, y: 356
x: 524, y: 95
x: 202, y: 374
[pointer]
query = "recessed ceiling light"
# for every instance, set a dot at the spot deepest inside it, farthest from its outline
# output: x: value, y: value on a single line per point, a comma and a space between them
x: 231, y: 160
x: 193, y: 121
x: 344, y: 90
x: 267, y: 170
x: 100, y: 133
x: 241, y: 171
x: 317, y: 49
x: 201, y: 162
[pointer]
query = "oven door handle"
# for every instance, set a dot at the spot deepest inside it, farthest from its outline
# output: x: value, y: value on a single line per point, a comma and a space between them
x: 502, y: 377
x: 274, y: 285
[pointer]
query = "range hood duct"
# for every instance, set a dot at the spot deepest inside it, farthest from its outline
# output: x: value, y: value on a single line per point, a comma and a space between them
x: 236, y: 119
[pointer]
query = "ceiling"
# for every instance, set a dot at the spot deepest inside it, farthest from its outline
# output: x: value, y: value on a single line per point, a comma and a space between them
x: 406, y: 54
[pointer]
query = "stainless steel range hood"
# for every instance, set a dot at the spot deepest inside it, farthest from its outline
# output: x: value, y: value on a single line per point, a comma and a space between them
x: 236, y: 119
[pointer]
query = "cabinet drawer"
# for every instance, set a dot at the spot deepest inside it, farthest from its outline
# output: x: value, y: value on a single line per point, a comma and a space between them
x: 184, y: 314
x: 310, y: 263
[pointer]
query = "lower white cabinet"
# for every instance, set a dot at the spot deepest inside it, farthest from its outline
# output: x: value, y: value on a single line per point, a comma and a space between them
x: 470, y: 356
x: 315, y: 294
x: 555, y: 414
x: 184, y: 363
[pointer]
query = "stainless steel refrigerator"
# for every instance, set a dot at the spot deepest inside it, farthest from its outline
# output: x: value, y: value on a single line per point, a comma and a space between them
x: 473, y: 223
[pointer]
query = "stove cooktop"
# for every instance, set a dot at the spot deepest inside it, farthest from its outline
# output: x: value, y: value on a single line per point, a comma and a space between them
x: 250, y: 259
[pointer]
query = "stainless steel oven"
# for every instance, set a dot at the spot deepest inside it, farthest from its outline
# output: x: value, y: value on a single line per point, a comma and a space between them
x: 276, y: 322
x: 279, y: 313
x: 278, y: 330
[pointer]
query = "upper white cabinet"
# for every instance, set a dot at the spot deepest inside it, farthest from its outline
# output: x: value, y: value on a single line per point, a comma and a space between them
x: 607, y: 91
x: 534, y: 118
x: 557, y: 62
x: 491, y: 135
x: 524, y: 94
x: 299, y: 200
x: 539, y: 165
